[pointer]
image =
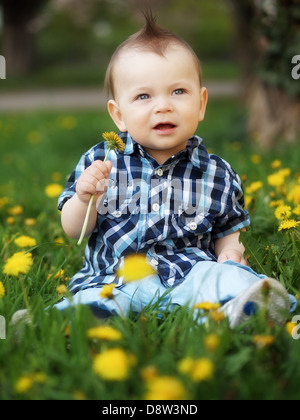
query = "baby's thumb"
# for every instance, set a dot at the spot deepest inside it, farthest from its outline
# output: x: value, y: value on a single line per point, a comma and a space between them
x: 109, y: 165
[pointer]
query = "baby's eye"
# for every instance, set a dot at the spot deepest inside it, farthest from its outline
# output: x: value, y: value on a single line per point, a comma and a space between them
x: 143, y: 96
x: 178, y: 91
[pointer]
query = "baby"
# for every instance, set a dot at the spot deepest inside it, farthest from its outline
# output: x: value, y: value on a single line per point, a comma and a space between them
x: 163, y: 196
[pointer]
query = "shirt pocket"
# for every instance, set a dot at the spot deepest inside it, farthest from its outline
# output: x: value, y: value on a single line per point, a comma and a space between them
x: 197, y: 224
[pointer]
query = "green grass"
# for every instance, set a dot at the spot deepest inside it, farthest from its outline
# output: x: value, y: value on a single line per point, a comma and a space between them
x: 53, y: 355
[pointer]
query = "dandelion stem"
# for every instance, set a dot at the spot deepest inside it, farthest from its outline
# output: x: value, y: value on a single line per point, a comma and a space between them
x: 86, y: 220
x: 106, y: 156
x: 114, y: 142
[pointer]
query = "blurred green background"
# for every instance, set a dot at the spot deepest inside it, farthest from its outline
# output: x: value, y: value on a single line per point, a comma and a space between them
x: 60, y: 44
x: 71, y: 41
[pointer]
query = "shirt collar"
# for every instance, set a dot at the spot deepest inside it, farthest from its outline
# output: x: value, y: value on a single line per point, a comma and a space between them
x: 195, y: 150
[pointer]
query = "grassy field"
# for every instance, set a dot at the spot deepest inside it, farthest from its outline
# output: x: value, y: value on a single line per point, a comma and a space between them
x: 58, y: 356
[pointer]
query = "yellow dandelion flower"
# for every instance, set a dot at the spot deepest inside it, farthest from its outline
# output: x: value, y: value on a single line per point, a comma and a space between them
x: 248, y: 200
x: 30, y: 221
x: 217, y: 316
x: 34, y: 137
x: 112, y: 365
x: 203, y: 370
x: 255, y: 186
x: 56, y: 176
x: 24, y: 241
x: 262, y: 341
x: 79, y: 395
x: 276, y: 164
x: 211, y: 342
x: 107, y: 291
x: 53, y: 190
x: 15, y: 211
x: 276, y: 203
x: 290, y: 327
x: 294, y: 195
x: 288, y: 224
x: 256, y: 159
x: 185, y: 365
x: 113, y: 141
x: 3, y: 201
x: 39, y: 377
x: 62, y: 289
x: 104, y: 332
x: 10, y: 220
x: 68, y: 122
x: 276, y: 180
x: 23, y: 384
x: 19, y: 263
x: 59, y: 241
x: 2, y: 290
x: 165, y: 388
x: 148, y: 373
x: 135, y: 267
x: 60, y: 274
x: 296, y: 210
x: 283, y: 212
x: 207, y: 306
x: 286, y: 172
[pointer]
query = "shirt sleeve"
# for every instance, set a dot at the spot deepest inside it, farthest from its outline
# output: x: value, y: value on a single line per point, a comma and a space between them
x: 85, y: 161
x: 234, y: 217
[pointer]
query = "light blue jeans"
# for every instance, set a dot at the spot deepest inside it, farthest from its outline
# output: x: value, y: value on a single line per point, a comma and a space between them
x: 206, y: 282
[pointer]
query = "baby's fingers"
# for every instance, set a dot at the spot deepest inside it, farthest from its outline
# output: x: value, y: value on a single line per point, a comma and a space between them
x: 100, y: 169
x: 102, y: 185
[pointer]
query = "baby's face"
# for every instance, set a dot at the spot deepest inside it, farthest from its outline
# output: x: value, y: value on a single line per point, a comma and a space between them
x: 159, y: 100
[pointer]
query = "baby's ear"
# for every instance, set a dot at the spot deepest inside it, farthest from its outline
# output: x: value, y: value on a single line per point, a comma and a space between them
x: 203, y: 103
x: 116, y: 115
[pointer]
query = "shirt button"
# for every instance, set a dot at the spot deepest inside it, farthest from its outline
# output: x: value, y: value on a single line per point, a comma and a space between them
x: 155, y: 207
x: 159, y: 172
x: 153, y: 261
x: 118, y: 213
x: 192, y: 225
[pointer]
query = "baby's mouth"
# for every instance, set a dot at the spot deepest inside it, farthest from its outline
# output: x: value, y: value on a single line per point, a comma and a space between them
x: 165, y: 127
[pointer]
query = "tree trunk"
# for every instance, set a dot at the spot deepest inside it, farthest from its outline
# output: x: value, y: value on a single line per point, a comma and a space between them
x: 18, y: 49
x: 265, y: 41
x: 18, y: 41
x: 272, y: 114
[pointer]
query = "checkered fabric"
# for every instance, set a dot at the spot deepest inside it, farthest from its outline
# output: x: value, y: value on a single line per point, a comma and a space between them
x: 171, y: 212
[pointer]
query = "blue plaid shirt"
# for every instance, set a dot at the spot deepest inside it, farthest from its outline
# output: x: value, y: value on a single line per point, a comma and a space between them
x: 171, y: 212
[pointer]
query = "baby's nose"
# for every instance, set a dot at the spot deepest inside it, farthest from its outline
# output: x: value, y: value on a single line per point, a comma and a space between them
x: 163, y: 104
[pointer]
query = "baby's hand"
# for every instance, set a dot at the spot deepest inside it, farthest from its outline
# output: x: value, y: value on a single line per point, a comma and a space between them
x: 233, y: 255
x: 93, y: 181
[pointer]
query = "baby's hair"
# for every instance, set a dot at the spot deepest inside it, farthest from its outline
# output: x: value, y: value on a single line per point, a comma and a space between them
x: 152, y: 38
